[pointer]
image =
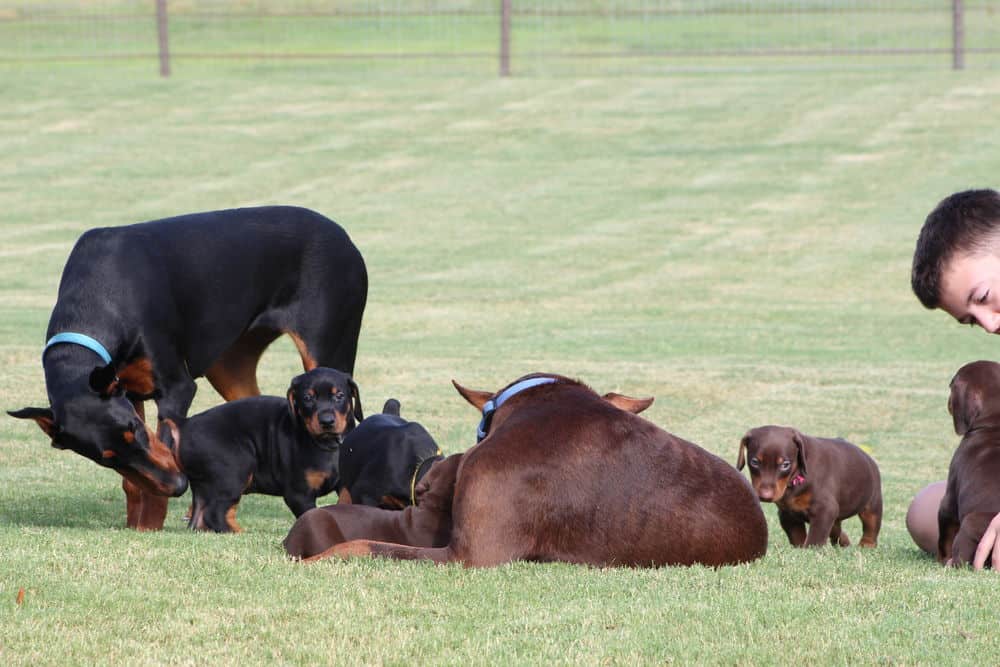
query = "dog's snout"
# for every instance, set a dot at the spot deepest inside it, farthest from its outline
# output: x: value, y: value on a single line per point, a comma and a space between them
x: 327, y: 419
x: 766, y: 494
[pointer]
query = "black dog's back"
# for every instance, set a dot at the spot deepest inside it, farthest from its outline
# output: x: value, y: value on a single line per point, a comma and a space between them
x: 383, y: 457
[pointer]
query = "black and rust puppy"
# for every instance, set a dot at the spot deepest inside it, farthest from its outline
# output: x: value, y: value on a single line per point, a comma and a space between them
x: 972, y: 495
x: 382, y: 460
x: 266, y: 444
x: 145, y: 309
x: 819, y: 481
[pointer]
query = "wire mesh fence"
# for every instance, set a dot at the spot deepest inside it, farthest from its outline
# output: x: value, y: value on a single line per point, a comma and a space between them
x: 525, y: 36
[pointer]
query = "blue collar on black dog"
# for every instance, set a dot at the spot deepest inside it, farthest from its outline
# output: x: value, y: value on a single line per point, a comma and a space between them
x: 82, y: 340
x: 493, y: 404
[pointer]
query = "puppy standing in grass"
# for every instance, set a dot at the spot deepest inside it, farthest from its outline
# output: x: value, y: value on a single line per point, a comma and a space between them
x: 285, y: 447
x: 819, y: 481
x: 956, y: 267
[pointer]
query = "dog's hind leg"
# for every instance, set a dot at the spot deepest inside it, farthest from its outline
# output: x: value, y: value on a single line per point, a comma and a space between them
x: 973, y: 526
x: 234, y: 373
x: 838, y: 537
x: 871, y: 523
x: 218, y: 514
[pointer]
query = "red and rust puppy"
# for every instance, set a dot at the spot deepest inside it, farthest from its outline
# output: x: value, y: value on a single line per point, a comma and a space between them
x: 426, y: 524
x: 265, y: 444
x: 145, y: 309
x: 972, y: 494
x: 819, y: 481
x: 382, y: 460
x: 564, y: 474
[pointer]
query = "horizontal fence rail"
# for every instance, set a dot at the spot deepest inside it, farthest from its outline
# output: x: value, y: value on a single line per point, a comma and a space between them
x: 509, y: 36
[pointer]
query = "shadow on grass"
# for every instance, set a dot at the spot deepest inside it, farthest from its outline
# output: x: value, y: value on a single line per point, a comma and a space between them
x: 62, y: 510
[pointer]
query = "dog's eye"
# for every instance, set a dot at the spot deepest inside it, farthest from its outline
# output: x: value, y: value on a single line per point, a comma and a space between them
x: 786, y: 465
x: 754, y: 463
x: 308, y: 398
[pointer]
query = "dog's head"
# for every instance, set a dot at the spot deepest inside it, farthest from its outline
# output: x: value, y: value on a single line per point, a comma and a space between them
x: 327, y: 403
x: 975, y: 396
x: 93, y: 417
x: 777, y: 459
x: 490, y: 402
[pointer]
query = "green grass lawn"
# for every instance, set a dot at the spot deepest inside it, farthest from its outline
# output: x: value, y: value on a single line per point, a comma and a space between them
x: 736, y: 244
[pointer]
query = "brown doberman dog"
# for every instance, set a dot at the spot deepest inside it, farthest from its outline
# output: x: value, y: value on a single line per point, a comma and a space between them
x: 972, y: 495
x: 562, y: 473
x: 426, y: 524
x: 819, y: 481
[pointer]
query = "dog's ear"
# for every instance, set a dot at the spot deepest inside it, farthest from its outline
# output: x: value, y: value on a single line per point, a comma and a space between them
x: 291, y: 403
x: 741, y: 460
x: 800, y: 446
x: 42, y: 416
x: 627, y: 403
x: 475, y: 397
x: 964, y: 404
x: 170, y: 435
x: 104, y: 380
x: 356, y: 400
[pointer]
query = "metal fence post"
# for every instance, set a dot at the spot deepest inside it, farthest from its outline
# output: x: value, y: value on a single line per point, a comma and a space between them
x: 957, y: 34
x: 162, y: 35
x: 505, y: 37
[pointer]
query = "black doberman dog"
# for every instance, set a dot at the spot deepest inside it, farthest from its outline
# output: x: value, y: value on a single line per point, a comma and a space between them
x: 382, y: 460
x: 270, y: 445
x: 144, y: 309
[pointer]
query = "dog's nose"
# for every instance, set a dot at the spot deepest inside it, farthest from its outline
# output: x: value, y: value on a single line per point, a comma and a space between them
x: 327, y: 419
x: 767, y: 495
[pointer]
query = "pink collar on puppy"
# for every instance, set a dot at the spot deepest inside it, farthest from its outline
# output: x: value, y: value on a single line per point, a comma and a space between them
x: 798, y: 479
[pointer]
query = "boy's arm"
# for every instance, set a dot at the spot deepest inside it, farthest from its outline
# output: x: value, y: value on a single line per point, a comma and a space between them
x: 989, y: 545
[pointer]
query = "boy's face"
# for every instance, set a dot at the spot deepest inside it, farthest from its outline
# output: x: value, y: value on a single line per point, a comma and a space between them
x: 970, y: 290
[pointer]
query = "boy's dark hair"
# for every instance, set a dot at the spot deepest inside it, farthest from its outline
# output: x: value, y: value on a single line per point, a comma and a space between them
x: 966, y: 222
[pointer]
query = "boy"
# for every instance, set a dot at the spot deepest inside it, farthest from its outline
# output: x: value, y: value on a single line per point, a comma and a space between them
x: 956, y: 267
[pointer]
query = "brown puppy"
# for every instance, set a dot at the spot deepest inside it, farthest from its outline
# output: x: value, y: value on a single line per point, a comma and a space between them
x: 564, y: 474
x: 819, y: 481
x: 426, y: 524
x: 972, y: 496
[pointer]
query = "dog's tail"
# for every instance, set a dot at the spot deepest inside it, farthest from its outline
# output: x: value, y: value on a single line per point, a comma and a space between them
x: 391, y: 407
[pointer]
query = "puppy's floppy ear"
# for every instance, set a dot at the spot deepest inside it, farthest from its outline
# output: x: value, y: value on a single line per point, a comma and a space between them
x: 964, y: 404
x: 356, y: 400
x: 627, y: 403
x: 473, y: 396
x: 800, y: 446
x: 291, y: 403
x: 741, y: 460
x: 104, y: 380
x: 42, y: 416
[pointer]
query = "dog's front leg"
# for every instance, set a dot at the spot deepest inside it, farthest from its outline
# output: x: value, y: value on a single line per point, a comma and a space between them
x: 821, y: 522
x: 794, y: 526
x: 174, y: 403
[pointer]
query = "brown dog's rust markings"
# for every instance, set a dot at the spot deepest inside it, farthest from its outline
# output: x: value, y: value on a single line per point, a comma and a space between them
x: 799, y: 503
x: 316, y: 478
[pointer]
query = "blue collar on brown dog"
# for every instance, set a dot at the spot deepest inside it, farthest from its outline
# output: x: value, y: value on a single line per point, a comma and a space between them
x: 493, y: 404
